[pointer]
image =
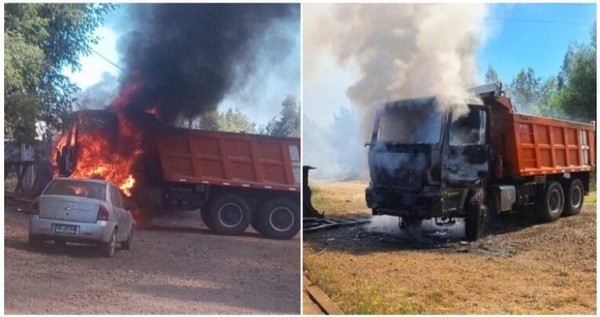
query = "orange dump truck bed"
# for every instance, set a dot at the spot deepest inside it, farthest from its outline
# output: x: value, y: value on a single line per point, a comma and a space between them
x: 230, y: 159
x: 533, y: 145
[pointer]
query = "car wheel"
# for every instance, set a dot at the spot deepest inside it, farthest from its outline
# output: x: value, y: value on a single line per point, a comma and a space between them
x: 279, y: 218
x: 551, y: 206
x: 228, y: 215
x: 128, y: 244
x: 574, y: 198
x: 108, y: 248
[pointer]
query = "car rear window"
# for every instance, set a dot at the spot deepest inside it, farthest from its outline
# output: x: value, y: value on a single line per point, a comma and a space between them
x: 77, y: 188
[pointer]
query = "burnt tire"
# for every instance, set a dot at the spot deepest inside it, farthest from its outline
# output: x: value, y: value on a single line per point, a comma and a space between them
x: 475, y: 216
x: 279, y: 218
x: 107, y: 249
x: 552, y: 202
x: 574, y: 198
x: 228, y: 215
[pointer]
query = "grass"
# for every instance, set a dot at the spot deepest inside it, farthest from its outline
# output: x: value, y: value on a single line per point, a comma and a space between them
x: 591, y: 197
x: 378, y: 282
x: 339, y: 199
x: 10, y: 183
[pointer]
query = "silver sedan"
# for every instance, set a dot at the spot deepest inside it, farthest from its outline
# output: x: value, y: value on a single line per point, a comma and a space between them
x: 84, y: 211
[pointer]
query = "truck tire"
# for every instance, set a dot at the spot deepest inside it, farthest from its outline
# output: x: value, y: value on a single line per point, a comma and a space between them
x: 574, y: 198
x: 228, y: 215
x: 279, y: 218
x: 552, y: 202
x: 474, y: 218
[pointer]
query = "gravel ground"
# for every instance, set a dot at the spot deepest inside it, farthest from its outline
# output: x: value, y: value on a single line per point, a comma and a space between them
x: 177, y: 267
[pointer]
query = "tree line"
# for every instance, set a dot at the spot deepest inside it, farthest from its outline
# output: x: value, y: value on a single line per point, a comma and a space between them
x: 41, y: 39
x: 286, y: 124
x: 571, y: 94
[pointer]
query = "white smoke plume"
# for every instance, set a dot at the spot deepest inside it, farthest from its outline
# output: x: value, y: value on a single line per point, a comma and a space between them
x: 390, y: 225
x: 397, y: 51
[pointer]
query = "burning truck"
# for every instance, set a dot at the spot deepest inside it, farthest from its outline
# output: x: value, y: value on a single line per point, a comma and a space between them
x: 442, y: 159
x: 234, y: 179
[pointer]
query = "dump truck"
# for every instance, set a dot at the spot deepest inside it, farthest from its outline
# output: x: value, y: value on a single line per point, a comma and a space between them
x: 472, y: 158
x: 233, y: 179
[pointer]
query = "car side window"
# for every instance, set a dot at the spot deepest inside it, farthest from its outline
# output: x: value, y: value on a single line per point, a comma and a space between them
x: 114, y: 198
x: 118, y: 199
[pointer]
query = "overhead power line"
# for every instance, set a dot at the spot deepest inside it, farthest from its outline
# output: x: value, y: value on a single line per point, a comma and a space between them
x: 106, y: 59
x: 539, y: 21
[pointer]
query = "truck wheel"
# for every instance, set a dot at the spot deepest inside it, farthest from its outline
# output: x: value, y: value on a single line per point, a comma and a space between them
x: 474, y: 219
x: 228, y: 214
x: 279, y: 218
x: 550, y: 207
x: 574, y: 198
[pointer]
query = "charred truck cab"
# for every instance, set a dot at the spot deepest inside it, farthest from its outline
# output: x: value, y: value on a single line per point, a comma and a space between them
x: 445, y: 159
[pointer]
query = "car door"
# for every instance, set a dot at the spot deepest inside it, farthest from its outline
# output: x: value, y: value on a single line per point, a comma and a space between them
x: 125, y: 220
x: 117, y: 209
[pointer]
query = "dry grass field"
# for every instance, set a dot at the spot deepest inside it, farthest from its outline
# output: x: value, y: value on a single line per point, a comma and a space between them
x: 519, y: 267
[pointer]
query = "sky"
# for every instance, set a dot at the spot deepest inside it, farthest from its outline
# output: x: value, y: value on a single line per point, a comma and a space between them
x: 260, y: 98
x: 534, y: 35
x: 513, y: 36
x: 518, y: 36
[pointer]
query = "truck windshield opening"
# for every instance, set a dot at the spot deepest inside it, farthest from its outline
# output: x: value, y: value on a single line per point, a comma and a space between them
x: 410, y: 125
x: 468, y: 129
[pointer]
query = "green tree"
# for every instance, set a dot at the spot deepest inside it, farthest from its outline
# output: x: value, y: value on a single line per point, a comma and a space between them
x: 491, y: 76
x: 288, y: 123
x: 576, y: 81
x: 236, y: 121
x: 40, y: 39
x: 525, y: 90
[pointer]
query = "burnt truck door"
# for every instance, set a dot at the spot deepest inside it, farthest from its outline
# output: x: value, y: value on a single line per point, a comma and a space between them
x: 466, y: 146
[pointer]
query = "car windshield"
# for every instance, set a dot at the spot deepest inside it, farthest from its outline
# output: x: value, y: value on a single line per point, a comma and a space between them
x: 410, y: 124
x: 77, y: 188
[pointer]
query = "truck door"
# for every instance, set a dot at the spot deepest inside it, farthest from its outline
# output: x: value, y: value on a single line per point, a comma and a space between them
x: 467, y: 146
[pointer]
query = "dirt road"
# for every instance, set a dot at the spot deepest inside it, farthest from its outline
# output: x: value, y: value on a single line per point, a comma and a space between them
x: 179, y: 268
x: 519, y: 267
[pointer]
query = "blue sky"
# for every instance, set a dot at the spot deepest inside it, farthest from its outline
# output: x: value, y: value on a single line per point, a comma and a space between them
x: 519, y: 36
x: 534, y: 35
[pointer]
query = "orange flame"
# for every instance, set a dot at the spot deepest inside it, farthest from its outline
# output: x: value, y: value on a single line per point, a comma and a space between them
x: 98, y: 156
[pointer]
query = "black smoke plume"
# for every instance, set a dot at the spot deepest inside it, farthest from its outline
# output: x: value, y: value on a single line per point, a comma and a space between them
x: 184, y: 58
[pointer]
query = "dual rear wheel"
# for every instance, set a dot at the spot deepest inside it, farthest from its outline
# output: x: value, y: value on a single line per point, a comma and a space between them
x: 230, y: 214
x: 554, y: 202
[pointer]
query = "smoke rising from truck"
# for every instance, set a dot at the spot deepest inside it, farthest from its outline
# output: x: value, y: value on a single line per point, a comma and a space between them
x: 399, y: 51
x: 185, y: 58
